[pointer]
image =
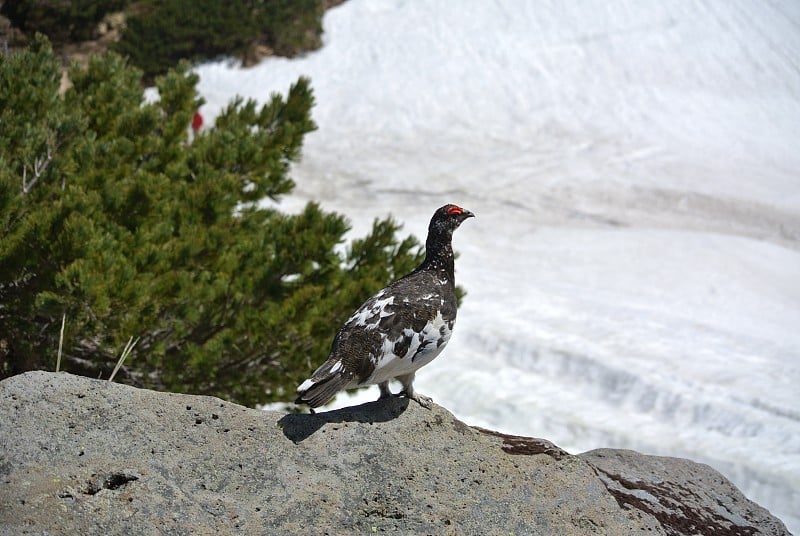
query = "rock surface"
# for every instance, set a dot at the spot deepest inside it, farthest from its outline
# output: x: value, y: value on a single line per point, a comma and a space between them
x: 82, y: 456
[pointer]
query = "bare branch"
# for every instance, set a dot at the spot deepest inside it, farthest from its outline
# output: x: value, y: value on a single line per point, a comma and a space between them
x: 39, y: 167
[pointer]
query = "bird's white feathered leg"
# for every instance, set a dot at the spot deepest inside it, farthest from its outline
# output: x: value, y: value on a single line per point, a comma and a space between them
x: 409, y: 392
x: 385, y: 392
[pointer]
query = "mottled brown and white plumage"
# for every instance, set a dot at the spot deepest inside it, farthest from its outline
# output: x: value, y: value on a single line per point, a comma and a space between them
x: 400, y: 329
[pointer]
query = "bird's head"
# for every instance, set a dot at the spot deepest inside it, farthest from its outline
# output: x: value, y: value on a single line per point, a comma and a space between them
x: 447, y: 219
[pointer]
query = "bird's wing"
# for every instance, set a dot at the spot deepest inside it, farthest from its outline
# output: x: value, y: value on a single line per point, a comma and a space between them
x: 350, y: 356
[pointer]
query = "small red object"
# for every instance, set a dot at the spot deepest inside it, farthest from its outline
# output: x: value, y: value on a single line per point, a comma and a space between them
x: 197, y: 121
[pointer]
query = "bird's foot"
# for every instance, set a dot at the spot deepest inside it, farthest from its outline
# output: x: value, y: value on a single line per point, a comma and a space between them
x: 424, y: 401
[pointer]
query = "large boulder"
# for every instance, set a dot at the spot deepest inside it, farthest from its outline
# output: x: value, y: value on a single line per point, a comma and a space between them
x: 82, y: 456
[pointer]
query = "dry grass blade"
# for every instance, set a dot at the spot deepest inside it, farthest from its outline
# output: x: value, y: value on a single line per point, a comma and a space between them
x: 127, y: 350
x: 61, y: 342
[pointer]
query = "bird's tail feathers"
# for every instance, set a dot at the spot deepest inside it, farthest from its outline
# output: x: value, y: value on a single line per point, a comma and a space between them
x: 319, y: 392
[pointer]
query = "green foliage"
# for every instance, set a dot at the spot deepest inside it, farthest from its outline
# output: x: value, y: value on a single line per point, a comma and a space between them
x: 161, y: 32
x: 61, y: 20
x: 290, y: 27
x: 112, y: 214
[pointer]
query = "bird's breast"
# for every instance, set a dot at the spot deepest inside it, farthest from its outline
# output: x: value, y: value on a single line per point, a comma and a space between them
x: 410, y: 350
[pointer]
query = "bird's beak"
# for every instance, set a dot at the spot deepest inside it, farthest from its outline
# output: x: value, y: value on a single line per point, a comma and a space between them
x: 467, y: 214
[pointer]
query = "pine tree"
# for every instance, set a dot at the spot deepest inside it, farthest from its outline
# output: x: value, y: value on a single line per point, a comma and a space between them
x: 113, y: 215
x: 159, y: 33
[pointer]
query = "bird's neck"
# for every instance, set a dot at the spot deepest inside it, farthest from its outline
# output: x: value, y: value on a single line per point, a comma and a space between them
x: 439, y: 255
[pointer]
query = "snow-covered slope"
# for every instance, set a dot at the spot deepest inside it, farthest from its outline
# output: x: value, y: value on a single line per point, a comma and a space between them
x: 633, y: 273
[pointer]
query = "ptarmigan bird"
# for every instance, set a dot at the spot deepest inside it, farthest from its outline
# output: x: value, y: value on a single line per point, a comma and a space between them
x: 400, y: 329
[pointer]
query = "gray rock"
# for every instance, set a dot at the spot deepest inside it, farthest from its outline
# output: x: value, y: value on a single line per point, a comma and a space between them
x: 82, y: 456
x: 684, y: 496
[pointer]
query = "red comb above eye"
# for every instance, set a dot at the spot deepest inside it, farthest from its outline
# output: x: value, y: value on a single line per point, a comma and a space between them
x: 455, y: 210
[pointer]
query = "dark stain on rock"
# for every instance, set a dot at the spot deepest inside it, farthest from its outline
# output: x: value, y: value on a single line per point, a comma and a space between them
x: 671, y: 507
x: 112, y: 481
x: 525, y: 446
